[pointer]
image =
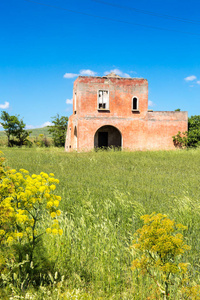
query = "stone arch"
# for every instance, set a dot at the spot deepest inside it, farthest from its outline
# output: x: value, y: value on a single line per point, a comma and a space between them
x: 107, y: 136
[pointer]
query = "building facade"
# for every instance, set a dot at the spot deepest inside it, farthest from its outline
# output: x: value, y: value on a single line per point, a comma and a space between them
x: 112, y: 111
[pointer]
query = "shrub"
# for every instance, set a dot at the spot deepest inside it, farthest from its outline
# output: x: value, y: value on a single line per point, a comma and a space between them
x: 181, y: 139
x: 25, y: 202
x: 158, y: 248
x: 42, y: 141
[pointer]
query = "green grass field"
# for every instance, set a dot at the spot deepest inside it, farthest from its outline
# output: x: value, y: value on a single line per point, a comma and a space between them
x: 104, y: 194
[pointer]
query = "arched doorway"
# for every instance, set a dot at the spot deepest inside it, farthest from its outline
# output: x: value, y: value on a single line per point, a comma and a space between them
x: 107, y: 136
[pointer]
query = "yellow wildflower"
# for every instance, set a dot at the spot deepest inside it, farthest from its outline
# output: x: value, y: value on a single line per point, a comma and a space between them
x: 48, y: 230
x: 53, y: 214
x: 52, y: 187
x: 49, y: 204
x: 60, y: 231
x: 10, y: 239
x: 56, y: 203
x: 58, y: 212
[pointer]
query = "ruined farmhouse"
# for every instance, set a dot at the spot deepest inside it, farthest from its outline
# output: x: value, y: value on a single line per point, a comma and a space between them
x: 112, y: 111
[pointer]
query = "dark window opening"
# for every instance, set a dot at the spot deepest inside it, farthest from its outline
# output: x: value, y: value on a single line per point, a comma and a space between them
x: 135, y: 103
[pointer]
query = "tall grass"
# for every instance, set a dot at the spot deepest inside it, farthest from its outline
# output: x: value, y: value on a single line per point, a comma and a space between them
x: 103, y: 196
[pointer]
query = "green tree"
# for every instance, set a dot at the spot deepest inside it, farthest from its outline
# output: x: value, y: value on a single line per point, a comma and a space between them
x: 194, y: 131
x: 190, y: 138
x: 58, y: 130
x: 14, y: 129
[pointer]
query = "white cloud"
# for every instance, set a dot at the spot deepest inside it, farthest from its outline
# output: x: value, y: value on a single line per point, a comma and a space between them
x: 151, y: 103
x: 87, y: 73
x: 5, y: 105
x: 40, y: 126
x: 118, y: 72
x: 70, y: 75
x: 190, y: 78
x: 198, y: 81
x: 81, y: 73
x: 47, y: 124
x: 69, y: 101
x: 192, y: 85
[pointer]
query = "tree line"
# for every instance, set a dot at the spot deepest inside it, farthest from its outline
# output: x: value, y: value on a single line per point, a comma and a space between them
x: 17, y: 135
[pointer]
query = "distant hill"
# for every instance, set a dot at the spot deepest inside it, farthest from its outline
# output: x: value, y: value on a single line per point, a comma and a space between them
x: 35, y: 132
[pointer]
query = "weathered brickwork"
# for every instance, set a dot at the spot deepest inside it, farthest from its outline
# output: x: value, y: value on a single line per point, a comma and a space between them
x: 113, y: 111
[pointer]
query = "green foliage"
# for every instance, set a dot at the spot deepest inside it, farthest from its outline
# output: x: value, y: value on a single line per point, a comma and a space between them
x: 158, y: 248
x: 59, y: 129
x: 25, y: 201
x: 14, y: 129
x: 181, y: 139
x: 190, y: 138
x: 194, y: 131
x: 42, y: 141
x: 178, y: 109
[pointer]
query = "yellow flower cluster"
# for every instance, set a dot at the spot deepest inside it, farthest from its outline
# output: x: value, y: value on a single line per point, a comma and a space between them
x: 24, y: 199
x: 159, y: 244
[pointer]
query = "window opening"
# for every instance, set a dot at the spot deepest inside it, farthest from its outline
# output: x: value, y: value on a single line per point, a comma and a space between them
x: 75, y: 103
x: 103, y: 99
x: 135, y: 103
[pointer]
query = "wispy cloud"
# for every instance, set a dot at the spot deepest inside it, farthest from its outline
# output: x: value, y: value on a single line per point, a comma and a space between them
x: 40, y: 126
x: 118, y: 72
x: 70, y: 75
x: 133, y: 72
x: 86, y: 72
x: 5, y: 105
x: 190, y: 78
x: 198, y: 81
x: 47, y: 124
x: 69, y: 101
x: 151, y: 103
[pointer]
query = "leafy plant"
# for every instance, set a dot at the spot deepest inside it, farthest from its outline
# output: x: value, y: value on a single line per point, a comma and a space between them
x: 41, y: 141
x: 59, y: 129
x: 181, y: 139
x: 158, y: 247
x: 190, y: 138
x: 25, y: 200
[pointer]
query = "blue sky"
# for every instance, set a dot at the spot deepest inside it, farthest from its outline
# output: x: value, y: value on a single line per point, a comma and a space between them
x: 45, y: 44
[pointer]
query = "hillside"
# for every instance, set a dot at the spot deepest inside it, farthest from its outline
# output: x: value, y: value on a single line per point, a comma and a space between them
x: 34, y: 132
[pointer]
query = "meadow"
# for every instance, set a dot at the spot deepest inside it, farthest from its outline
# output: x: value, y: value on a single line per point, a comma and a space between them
x: 104, y: 193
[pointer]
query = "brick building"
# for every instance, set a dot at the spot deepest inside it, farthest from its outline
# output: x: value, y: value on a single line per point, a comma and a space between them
x: 113, y: 111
